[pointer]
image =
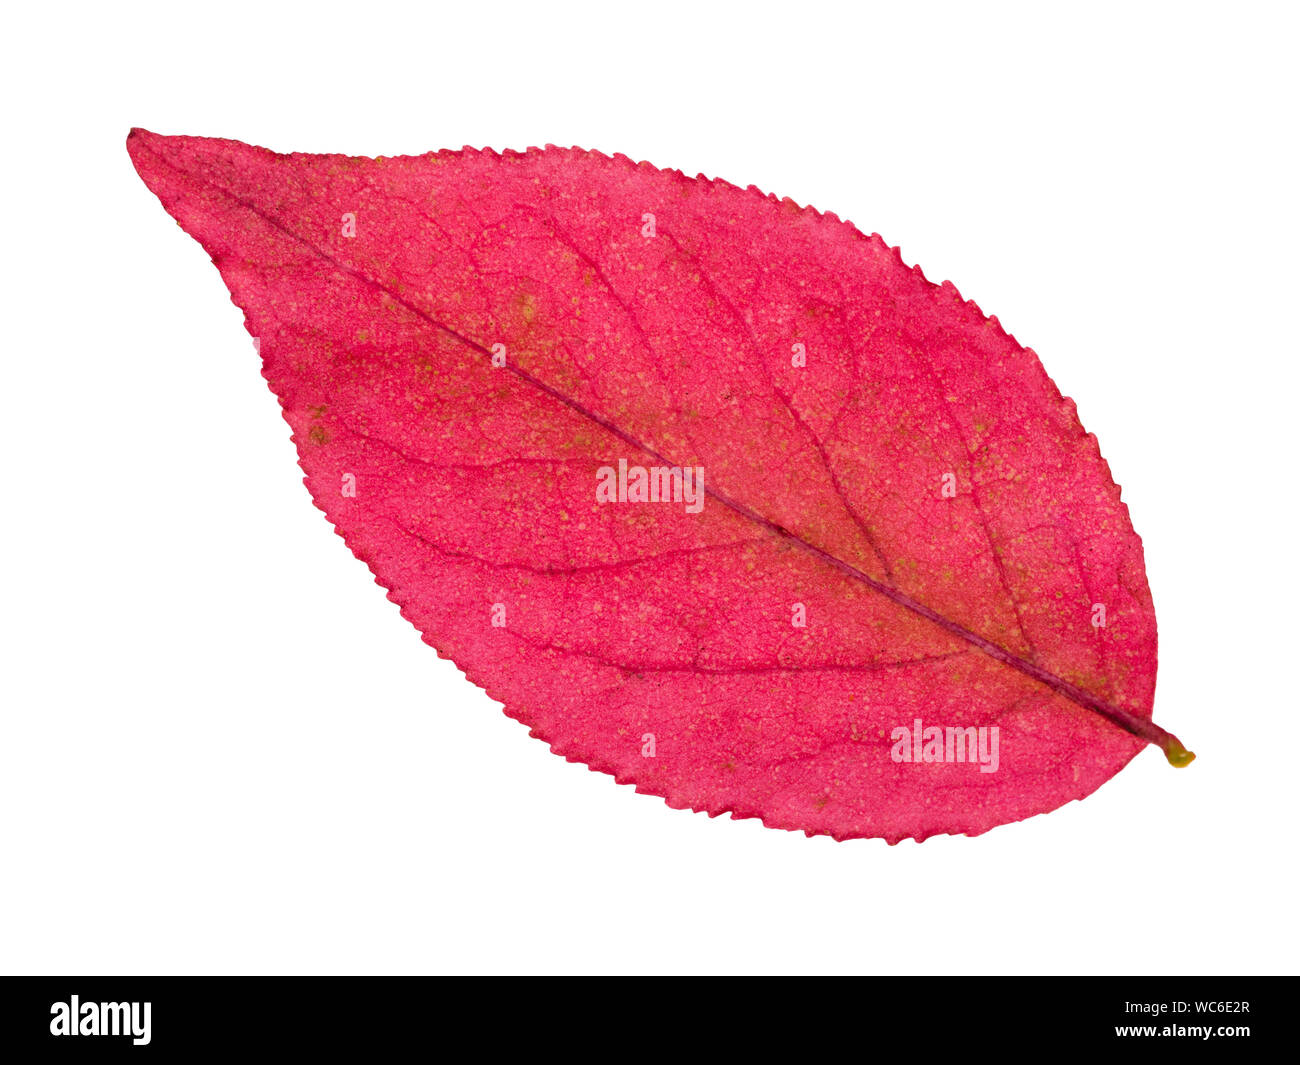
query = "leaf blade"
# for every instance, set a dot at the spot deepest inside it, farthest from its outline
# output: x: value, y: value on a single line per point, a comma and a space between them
x: 755, y: 718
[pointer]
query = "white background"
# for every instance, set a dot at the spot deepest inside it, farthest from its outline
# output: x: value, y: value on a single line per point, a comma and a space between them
x: 222, y: 750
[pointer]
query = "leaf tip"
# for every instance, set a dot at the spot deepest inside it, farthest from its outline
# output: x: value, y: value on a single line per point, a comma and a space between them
x: 138, y: 139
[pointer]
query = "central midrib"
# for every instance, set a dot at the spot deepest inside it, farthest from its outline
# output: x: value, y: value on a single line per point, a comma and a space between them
x: 1138, y: 726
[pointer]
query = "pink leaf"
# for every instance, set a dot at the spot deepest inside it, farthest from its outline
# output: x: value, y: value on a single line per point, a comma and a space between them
x: 887, y: 527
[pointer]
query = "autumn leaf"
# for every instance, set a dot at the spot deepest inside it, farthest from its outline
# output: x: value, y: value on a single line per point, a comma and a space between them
x: 710, y: 490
